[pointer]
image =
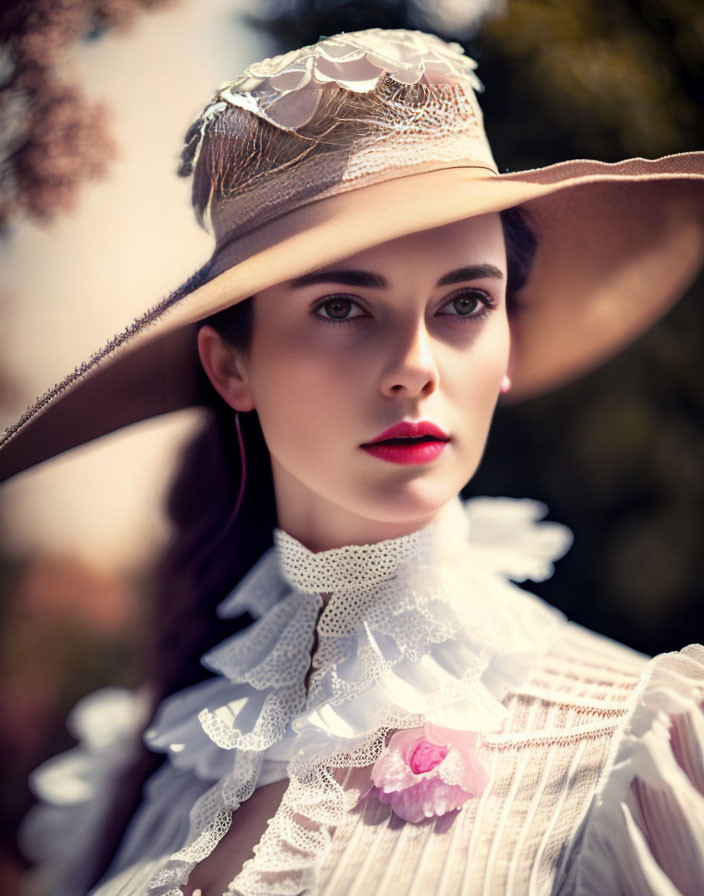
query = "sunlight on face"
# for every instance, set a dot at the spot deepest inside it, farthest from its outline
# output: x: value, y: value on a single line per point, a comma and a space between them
x: 414, y: 329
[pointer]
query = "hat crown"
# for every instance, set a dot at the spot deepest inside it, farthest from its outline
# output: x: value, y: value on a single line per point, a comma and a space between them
x: 286, y: 90
x: 352, y: 110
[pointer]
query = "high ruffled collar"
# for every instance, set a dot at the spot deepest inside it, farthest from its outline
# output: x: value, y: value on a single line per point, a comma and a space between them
x: 425, y: 627
x: 354, y: 567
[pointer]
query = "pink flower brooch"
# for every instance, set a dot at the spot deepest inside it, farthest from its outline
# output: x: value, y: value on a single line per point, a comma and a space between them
x: 428, y: 771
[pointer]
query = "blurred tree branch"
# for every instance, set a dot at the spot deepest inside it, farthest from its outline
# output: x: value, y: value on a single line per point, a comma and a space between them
x: 52, y: 137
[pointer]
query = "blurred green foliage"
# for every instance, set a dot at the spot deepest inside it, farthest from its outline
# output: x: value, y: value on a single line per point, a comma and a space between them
x: 592, y: 79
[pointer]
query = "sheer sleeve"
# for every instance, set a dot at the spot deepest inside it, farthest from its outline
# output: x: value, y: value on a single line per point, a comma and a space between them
x: 644, y: 833
x: 76, y: 789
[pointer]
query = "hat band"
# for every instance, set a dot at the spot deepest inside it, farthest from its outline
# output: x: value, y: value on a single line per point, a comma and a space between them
x: 237, y: 242
x: 446, y: 131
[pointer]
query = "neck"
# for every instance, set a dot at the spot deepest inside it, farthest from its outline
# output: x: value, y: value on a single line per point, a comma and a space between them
x: 321, y: 525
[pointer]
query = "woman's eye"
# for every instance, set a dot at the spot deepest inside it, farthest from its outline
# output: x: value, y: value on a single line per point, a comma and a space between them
x: 338, y: 309
x: 466, y: 304
x: 343, y: 309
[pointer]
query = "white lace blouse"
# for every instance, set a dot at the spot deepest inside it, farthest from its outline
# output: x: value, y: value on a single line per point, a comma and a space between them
x: 594, y: 755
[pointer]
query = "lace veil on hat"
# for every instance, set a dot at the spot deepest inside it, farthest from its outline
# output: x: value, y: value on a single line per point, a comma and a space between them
x: 356, y: 140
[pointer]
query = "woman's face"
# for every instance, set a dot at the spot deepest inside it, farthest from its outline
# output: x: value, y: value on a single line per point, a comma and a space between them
x: 411, y: 330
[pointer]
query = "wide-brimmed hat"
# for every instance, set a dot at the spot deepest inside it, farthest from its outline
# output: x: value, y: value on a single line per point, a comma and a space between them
x: 357, y: 140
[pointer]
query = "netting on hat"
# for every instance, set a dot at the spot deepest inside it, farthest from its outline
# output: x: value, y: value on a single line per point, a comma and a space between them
x: 330, y: 118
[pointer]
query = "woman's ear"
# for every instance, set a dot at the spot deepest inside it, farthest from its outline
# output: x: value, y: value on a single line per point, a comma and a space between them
x: 224, y: 368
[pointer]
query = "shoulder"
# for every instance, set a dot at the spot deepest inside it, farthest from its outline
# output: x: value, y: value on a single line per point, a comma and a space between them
x: 588, y: 671
x: 644, y: 830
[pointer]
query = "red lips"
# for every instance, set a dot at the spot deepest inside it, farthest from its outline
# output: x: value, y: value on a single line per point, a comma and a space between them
x: 405, y: 430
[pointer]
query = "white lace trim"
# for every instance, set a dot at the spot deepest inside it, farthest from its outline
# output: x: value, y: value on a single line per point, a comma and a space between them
x: 426, y: 627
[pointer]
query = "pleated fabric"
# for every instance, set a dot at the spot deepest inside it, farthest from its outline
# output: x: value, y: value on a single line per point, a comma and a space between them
x: 596, y: 787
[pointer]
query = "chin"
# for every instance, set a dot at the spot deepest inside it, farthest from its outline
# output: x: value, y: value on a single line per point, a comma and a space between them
x: 415, y: 500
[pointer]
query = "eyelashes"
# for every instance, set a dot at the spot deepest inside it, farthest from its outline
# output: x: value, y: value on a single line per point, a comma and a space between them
x: 337, y: 300
x: 481, y: 299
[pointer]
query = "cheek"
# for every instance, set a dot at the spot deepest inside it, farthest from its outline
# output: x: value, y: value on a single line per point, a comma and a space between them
x: 474, y: 380
x: 301, y: 396
x: 485, y: 361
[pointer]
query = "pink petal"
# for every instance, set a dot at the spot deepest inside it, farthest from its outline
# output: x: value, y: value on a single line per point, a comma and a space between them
x: 476, y: 776
x: 295, y: 109
x: 461, y: 740
x: 409, y: 74
x: 425, y: 756
x: 470, y: 775
x: 391, y: 772
x: 429, y: 797
x: 405, y: 740
x: 292, y: 79
x: 349, y: 72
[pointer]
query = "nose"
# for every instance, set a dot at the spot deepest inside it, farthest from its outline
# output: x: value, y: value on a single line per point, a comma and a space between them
x: 411, y: 367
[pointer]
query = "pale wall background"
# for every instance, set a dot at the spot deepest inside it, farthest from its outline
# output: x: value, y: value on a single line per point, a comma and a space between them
x: 66, y: 288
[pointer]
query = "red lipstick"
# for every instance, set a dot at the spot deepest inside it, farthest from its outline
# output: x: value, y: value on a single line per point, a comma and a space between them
x: 408, y: 443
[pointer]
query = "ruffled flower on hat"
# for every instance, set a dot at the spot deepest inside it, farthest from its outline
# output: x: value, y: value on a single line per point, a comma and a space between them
x: 286, y: 90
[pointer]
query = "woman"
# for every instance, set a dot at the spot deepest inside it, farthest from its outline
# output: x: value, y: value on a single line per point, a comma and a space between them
x: 391, y: 712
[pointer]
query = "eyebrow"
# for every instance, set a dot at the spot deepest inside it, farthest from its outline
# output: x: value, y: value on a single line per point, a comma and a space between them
x: 370, y: 280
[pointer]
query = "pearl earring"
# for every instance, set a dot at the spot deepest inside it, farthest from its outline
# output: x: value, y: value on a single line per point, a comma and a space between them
x: 505, y: 384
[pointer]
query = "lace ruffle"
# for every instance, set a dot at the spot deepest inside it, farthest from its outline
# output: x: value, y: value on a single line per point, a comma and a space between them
x: 76, y: 788
x: 512, y: 540
x: 421, y: 628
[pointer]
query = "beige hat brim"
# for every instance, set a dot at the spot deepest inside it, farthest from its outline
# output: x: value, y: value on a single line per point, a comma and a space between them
x: 617, y: 245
